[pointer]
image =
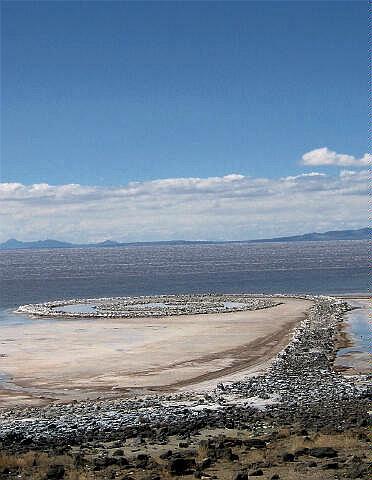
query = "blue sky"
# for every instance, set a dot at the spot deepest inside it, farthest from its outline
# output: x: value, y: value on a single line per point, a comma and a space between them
x: 194, y: 120
x: 110, y: 92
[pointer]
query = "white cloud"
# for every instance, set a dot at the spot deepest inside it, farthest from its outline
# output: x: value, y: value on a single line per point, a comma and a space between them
x: 232, y: 207
x: 324, y: 156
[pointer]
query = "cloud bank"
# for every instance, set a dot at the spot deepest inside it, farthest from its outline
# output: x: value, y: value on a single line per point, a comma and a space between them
x: 324, y: 156
x: 232, y: 207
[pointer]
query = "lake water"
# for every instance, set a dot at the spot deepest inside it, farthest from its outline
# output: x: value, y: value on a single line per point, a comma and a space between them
x: 32, y: 276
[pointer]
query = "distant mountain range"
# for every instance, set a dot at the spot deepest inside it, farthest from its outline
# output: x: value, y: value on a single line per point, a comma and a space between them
x: 360, y: 234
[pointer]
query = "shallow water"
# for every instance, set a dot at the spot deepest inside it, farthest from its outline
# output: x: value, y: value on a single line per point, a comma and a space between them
x: 234, y: 304
x: 357, y: 357
x: 77, y: 308
x: 8, y: 317
x: 358, y: 327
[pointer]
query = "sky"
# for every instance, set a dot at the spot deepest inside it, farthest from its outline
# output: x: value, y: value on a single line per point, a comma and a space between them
x: 195, y: 120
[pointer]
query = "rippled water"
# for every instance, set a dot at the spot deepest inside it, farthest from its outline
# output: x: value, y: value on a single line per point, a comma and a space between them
x: 29, y: 276
x: 359, y: 328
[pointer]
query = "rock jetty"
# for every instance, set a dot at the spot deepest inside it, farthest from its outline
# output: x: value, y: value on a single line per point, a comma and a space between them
x: 149, y: 306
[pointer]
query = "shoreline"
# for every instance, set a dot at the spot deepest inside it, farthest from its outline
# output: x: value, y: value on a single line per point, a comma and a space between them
x: 352, y: 361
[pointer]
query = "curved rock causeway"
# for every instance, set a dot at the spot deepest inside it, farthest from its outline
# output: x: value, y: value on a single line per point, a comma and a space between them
x: 148, y: 306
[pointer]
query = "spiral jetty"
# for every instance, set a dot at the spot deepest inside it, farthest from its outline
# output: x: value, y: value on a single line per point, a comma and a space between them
x: 300, y: 386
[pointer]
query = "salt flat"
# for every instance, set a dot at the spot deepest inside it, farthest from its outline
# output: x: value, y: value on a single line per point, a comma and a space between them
x: 69, y: 359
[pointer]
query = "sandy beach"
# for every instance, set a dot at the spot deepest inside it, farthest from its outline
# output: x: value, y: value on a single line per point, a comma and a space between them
x: 87, y: 358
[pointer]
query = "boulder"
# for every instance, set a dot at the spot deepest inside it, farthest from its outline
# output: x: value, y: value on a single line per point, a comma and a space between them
x: 330, y: 466
x: 256, y: 473
x: 301, y: 451
x: 288, y: 457
x: 142, y: 460
x: 323, y: 452
x: 166, y: 455
x: 181, y: 465
x: 205, y: 463
x: 254, y: 443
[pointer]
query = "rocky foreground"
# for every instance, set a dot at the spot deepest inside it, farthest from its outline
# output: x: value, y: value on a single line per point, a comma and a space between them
x: 300, y: 419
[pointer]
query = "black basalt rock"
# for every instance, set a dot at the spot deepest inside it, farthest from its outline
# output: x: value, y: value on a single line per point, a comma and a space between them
x: 323, y: 452
x: 288, y: 457
x: 181, y: 466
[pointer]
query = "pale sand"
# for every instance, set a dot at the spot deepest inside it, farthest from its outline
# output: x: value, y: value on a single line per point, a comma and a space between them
x: 84, y: 358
